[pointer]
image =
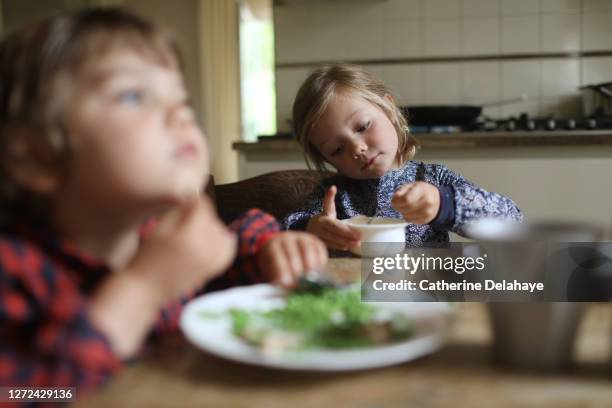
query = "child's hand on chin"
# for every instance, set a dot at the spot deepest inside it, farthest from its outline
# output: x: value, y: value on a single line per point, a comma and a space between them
x: 328, y: 228
x: 418, y: 202
x: 286, y: 256
x: 189, y: 247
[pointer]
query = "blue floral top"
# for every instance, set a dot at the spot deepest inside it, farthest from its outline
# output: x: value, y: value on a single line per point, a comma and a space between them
x: 372, y: 197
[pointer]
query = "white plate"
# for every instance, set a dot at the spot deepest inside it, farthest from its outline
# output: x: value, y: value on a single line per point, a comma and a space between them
x: 214, y: 334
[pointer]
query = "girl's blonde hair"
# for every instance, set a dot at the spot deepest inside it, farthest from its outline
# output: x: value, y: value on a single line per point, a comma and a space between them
x: 320, y: 88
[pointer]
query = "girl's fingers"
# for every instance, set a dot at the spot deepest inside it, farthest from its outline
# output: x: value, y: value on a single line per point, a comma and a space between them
x: 348, y: 238
x: 331, y: 240
x: 420, y: 216
x: 403, y: 189
x: 412, y: 208
x: 335, y: 242
x: 339, y: 236
x: 329, y: 203
x: 406, y: 196
x: 342, y: 230
x: 410, y: 204
x: 400, y: 202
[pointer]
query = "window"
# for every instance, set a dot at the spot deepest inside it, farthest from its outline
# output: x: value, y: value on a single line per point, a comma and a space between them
x: 257, y: 69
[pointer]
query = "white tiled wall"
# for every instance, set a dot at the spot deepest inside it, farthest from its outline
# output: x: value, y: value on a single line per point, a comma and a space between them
x: 480, y: 35
x: 560, y: 32
x: 520, y: 33
x: 401, y: 39
x: 405, y: 29
x: 596, y: 30
x: 480, y: 8
x: 519, y: 7
x: 596, y: 70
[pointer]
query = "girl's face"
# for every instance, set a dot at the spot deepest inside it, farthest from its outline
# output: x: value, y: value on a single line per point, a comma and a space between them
x: 135, y: 143
x: 356, y: 137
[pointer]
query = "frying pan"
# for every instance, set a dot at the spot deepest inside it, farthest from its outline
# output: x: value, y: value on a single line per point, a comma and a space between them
x: 449, y: 115
x: 452, y: 115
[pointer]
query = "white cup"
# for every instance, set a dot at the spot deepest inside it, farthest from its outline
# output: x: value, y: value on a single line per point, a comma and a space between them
x: 380, y: 236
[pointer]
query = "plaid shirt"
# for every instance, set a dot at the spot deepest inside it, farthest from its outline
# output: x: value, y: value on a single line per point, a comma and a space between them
x: 46, y: 338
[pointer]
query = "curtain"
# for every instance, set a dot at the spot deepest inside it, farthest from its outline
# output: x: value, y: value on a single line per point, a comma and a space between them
x: 220, y: 82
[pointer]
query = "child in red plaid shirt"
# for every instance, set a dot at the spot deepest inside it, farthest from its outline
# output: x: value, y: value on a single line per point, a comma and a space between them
x: 97, y: 137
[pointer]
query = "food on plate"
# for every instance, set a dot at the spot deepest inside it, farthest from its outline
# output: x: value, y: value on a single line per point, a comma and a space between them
x: 330, y: 318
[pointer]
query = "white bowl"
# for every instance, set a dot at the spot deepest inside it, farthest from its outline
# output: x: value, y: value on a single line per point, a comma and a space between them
x: 380, y: 236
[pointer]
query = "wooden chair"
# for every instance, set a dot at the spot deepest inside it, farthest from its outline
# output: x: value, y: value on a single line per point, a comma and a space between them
x: 277, y: 193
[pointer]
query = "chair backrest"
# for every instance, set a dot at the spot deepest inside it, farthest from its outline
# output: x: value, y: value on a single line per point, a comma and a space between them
x: 277, y: 193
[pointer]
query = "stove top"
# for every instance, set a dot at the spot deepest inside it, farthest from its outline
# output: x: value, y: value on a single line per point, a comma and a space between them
x: 523, y: 123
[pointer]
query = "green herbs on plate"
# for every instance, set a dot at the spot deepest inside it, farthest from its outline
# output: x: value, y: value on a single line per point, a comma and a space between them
x: 331, y: 318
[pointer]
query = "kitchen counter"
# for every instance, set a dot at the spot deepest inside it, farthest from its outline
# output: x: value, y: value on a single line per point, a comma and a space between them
x: 469, y: 140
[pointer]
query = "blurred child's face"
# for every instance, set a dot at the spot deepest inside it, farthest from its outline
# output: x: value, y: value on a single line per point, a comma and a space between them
x: 135, y: 142
x: 356, y: 137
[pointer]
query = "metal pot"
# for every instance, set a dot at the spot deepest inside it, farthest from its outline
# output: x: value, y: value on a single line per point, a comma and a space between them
x: 436, y: 115
x: 597, y: 99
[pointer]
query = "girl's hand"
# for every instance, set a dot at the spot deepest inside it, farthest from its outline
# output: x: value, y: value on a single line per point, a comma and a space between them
x: 418, y: 202
x: 286, y: 256
x: 189, y: 247
x: 329, y: 229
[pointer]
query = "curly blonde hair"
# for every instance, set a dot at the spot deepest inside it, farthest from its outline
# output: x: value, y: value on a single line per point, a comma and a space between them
x: 320, y: 88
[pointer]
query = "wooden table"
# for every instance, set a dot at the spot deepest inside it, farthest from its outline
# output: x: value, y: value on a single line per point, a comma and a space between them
x: 176, y: 374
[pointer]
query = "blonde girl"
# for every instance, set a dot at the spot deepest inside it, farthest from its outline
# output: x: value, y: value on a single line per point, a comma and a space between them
x: 346, y: 118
